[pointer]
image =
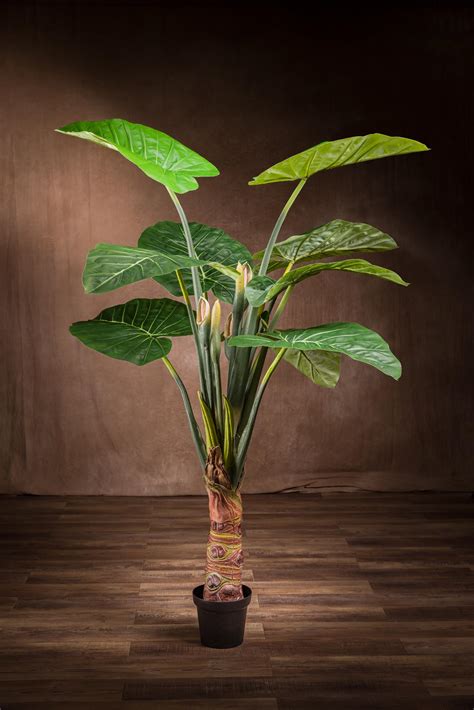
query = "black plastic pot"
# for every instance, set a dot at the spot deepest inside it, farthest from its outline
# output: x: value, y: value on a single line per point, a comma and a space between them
x: 221, y: 624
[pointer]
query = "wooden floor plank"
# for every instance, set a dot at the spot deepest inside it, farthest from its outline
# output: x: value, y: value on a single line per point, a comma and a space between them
x: 367, y: 602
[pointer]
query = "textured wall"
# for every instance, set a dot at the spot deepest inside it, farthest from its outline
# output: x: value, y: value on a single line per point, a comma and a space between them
x: 246, y: 88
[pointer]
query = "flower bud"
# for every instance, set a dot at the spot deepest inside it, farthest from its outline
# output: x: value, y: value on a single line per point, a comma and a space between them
x: 203, y: 315
x: 247, y: 273
x: 216, y: 316
x: 216, y: 329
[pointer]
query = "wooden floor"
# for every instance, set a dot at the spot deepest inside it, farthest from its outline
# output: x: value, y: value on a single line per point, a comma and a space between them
x: 360, y: 601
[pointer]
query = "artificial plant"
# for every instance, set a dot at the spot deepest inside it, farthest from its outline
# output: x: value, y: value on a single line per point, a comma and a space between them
x: 193, y: 260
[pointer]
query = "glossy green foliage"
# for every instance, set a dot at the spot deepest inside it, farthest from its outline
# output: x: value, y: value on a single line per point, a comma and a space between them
x: 228, y: 446
x: 195, y: 259
x: 211, y: 245
x: 351, y: 339
x: 320, y: 366
x: 110, y: 266
x: 159, y: 156
x: 138, y: 331
x: 262, y: 289
x: 337, y: 238
x: 335, y: 154
x: 257, y: 289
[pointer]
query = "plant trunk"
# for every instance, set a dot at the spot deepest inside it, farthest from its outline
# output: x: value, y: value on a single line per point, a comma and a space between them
x: 224, y: 548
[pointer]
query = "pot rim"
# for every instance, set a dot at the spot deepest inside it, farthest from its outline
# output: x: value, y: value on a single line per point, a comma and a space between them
x: 221, y: 607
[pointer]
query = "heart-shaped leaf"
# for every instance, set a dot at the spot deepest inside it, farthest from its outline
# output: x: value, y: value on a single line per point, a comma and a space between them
x: 351, y: 339
x: 110, y: 266
x: 262, y: 289
x: 320, y: 366
x: 338, y: 237
x: 257, y: 289
x: 137, y: 331
x: 158, y: 155
x: 211, y: 245
x: 335, y: 154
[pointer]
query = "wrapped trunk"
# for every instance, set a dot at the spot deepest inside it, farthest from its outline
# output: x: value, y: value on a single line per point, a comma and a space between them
x: 224, y: 548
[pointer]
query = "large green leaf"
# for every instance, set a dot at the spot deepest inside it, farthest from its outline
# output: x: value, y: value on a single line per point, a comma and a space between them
x: 320, y: 366
x: 110, y: 266
x: 137, y: 331
x: 257, y: 289
x: 335, y: 154
x: 351, y: 339
x: 262, y: 288
x: 211, y: 245
x: 338, y: 237
x: 160, y: 157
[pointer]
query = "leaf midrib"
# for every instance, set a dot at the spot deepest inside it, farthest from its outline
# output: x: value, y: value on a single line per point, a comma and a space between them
x: 132, y: 325
x: 132, y: 266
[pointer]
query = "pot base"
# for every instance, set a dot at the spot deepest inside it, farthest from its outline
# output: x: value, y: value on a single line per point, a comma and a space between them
x: 221, y: 624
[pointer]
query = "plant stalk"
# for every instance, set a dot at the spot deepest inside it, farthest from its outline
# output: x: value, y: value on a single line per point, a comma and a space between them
x: 204, y: 340
x: 278, y: 225
x: 280, y: 308
x: 215, y: 348
x: 197, y: 288
x: 237, y: 393
x: 203, y: 380
x: 247, y: 432
x: 193, y: 425
x: 259, y: 361
x: 218, y: 408
x: 237, y: 313
x: 252, y: 386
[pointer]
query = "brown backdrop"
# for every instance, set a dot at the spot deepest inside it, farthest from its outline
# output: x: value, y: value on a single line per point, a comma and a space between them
x: 246, y: 87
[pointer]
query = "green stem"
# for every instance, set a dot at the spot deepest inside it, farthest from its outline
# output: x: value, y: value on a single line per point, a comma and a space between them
x: 189, y: 241
x: 254, y: 379
x: 195, y: 431
x: 271, y: 305
x: 247, y: 432
x: 203, y: 380
x: 253, y: 312
x: 215, y: 351
x: 237, y: 313
x: 218, y: 409
x: 204, y: 340
x: 281, y: 307
x: 278, y: 225
x: 259, y: 361
x: 250, y: 327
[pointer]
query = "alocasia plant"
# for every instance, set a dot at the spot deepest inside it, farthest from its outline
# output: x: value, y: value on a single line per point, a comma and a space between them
x: 191, y: 259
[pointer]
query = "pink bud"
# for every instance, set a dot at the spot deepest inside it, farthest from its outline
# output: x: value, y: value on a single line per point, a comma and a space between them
x: 246, y: 273
x: 203, y: 311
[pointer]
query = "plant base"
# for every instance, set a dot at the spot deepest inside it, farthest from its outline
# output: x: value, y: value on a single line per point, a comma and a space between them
x: 221, y: 624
